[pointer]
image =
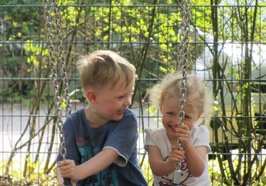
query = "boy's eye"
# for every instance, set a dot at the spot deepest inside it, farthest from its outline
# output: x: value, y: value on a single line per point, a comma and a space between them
x: 124, y: 96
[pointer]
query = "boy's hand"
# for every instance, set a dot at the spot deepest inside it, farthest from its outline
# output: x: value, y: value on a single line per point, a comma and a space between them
x: 68, y: 169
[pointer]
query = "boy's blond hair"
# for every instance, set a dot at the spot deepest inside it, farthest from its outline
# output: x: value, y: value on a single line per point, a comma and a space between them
x: 197, y: 93
x: 103, y: 67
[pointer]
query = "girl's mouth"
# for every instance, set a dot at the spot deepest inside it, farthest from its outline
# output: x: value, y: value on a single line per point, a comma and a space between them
x: 172, y: 128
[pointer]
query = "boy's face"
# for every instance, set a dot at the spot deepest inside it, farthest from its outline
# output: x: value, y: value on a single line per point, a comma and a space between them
x: 110, y: 102
x: 170, y: 109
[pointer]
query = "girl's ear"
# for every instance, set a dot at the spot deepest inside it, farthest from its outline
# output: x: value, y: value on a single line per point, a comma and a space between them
x: 91, y: 96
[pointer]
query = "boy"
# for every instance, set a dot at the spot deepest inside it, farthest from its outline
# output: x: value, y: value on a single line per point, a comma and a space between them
x: 101, y: 138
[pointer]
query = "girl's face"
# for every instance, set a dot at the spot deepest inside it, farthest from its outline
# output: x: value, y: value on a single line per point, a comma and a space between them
x: 170, y: 109
x: 110, y: 102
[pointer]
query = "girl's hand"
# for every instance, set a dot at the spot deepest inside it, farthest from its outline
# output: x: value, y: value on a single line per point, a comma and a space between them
x: 183, y: 134
x: 68, y: 169
x: 176, y: 155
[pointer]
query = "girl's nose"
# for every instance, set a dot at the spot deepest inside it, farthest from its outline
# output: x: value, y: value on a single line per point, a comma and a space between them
x: 177, y: 121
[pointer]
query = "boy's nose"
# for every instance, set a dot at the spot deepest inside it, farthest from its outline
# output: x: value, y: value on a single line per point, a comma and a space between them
x: 128, y: 101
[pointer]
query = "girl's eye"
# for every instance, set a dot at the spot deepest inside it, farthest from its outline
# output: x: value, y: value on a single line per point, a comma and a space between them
x: 188, y: 117
x: 170, y: 113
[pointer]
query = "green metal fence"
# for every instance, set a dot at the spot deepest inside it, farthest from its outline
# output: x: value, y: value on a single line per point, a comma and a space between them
x: 227, y: 46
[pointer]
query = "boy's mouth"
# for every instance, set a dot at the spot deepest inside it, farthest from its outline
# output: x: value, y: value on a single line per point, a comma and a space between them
x: 121, y: 111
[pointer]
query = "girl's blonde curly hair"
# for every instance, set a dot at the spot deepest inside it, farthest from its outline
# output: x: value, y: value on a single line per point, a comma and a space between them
x: 197, y: 94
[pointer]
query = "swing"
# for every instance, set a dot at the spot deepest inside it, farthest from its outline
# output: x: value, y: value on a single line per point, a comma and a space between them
x: 58, y: 69
x: 183, y: 58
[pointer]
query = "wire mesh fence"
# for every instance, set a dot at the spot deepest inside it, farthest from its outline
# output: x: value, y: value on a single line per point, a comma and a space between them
x: 226, y: 43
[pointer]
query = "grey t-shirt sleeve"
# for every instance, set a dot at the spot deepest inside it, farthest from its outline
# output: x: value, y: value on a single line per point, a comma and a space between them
x: 123, y: 138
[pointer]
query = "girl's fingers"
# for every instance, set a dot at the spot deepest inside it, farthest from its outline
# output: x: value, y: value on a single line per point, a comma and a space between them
x: 174, y: 147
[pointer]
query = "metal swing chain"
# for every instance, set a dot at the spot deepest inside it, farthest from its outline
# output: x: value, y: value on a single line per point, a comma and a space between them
x: 57, y: 59
x: 183, y: 60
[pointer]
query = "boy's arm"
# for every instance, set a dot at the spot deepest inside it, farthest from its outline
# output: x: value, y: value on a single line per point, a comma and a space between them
x: 60, y: 179
x: 97, y: 163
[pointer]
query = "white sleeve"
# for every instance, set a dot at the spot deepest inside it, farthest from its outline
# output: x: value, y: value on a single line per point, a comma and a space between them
x: 200, y: 137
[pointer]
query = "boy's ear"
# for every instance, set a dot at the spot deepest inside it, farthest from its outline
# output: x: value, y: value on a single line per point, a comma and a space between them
x: 91, y: 96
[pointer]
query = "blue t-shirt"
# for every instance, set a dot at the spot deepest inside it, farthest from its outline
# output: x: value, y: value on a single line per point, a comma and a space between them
x: 83, y: 142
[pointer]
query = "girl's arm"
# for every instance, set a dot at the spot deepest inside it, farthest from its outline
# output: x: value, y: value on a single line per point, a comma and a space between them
x: 162, y: 167
x: 195, y: 158
x: 97, y: 163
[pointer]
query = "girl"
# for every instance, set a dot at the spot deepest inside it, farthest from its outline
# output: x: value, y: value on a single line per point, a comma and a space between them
x: 162, y: 145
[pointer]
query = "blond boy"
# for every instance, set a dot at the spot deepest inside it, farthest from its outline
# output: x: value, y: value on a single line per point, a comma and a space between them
x: 101, y: 137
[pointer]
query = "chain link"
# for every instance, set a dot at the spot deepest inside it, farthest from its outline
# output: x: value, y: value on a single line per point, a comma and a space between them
x: 54, y: 36
x: 184, y: 53
x: 183, y: 61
